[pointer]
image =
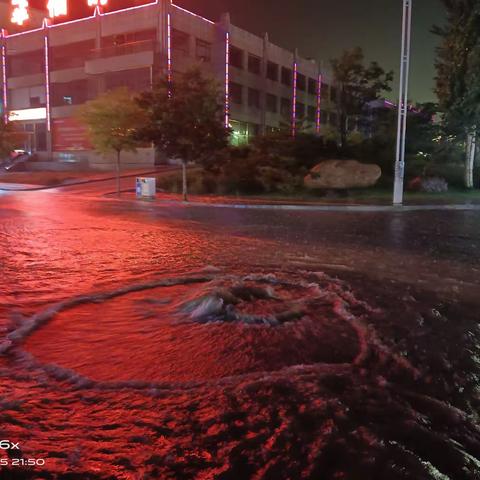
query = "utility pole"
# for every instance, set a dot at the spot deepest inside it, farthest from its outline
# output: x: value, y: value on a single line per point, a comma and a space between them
x: 403, y: 103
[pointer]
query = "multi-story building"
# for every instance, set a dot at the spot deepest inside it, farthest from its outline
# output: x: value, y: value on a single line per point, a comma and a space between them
x: 47, y: 72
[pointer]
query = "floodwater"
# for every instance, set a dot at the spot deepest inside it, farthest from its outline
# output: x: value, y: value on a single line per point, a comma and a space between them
x: 142, y: 341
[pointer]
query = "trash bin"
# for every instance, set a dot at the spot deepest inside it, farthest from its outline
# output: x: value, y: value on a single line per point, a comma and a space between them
x: 145, y: 187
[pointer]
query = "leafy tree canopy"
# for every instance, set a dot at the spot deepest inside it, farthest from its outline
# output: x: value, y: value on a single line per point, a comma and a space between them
x: 358, y: 84
x: 112, y: 120
x: 458, y: 66
x: 10, y: 135
x: 185, y: 117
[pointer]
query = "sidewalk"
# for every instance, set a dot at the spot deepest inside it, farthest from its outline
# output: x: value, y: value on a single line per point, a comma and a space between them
x: 262, y: 204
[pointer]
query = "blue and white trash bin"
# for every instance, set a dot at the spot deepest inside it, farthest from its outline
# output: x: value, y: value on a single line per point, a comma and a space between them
x: 145, y: 187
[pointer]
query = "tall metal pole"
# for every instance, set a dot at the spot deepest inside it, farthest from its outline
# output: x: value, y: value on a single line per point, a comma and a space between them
x: 403, y: 103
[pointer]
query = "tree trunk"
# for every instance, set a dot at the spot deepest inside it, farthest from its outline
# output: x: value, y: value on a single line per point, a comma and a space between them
x: 470, y: 159
x: 342, y: 117
x: 184, y: 181
x: 118, y: 173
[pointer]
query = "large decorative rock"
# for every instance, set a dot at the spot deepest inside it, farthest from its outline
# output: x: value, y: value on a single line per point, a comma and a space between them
x: 342, y: 174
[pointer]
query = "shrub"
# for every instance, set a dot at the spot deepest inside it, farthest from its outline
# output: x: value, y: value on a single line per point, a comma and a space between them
x: 434, y: 185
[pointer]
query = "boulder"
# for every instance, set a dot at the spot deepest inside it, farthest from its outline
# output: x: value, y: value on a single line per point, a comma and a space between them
x: 342, y: 174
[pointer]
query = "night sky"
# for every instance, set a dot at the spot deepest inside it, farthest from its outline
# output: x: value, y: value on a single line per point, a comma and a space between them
x: 323, y: 28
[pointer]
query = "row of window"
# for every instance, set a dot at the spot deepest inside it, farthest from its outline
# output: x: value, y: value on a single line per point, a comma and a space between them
x: 274, y: 72
x: 273, y: 104
x: 77, y: 92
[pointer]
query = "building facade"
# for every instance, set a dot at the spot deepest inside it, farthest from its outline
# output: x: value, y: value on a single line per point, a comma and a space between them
x: 47, y: 72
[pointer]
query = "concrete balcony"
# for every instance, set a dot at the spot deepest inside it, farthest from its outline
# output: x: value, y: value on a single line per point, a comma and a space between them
x: 121, y: 57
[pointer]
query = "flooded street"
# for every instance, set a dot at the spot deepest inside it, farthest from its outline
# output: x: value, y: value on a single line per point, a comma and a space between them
x: 159, y: 341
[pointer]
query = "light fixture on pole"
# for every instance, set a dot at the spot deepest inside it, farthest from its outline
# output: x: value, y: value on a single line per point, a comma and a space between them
x: 403, y: 103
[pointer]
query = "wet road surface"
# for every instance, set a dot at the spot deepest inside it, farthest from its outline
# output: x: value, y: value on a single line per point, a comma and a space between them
x: 143, y: 341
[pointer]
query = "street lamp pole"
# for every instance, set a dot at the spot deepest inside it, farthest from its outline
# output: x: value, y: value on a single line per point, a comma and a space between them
x: 403, y: 103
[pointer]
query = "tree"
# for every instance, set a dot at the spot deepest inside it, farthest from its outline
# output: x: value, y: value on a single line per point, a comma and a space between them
x: 112, y: 120
x: 357, y: 85
x: 185, y: 119
x: 10, y: 135
x: 458, y: 70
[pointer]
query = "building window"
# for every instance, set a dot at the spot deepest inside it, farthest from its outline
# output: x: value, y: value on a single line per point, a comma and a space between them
x: 253, y: 98
x: 129, y: 37
x: 301, y: 82
x: 203, y: 50
x: 287, y: 76
x: 272, y: 103
x: 61, y: 56
x: 29, y: 63
x: 311, y: 114
x: 253, y: 130
x: 325, y: 91
x: 236, y: 57
x: 324, y: 118
x: 70, y: 93
x: 254, y: 64
x: 312, y: 86
x: 137, y: 79
x: 35, y: 102
x: 300, y: 110
x: 236, y: 93
x: 286, y: 107
x: 180, y: 41
x: 272, y: 71
x: 333, y: 119
x: 40, y: 137
x: 333, y: 94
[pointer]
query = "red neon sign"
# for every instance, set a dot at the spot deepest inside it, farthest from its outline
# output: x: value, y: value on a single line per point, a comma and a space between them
x: 56, y: 8
x: 97, y: 3
x: 20, y: 11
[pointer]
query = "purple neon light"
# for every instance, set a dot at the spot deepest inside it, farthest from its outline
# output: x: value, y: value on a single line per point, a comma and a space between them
x: 4, y: 76
x: 319, y: 103
x: 294, y: 106
x: 40, y: 29
x: 227, y: 80
x: 169, y: 52
x: 136, y: 7
x: 47, y: 82
x: 194, y: 14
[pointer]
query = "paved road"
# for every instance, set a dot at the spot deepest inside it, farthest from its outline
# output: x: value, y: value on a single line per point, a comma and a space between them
x: 137, y: 337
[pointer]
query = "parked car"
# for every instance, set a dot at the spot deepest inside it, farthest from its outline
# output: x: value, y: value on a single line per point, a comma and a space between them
x: 16, y: 158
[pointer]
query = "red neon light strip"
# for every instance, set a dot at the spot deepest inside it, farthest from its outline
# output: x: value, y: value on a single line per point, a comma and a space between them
x: 47, y: 82
x: 194, y: 14
x: 169, y: 52
x: 227, y: 80
x: 4, y: 77
x: 136, y: 7
x: 319, y: 103
x: 294, y: 106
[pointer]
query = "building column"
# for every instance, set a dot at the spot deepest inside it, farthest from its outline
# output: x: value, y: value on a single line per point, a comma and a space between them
x: 163, y: 54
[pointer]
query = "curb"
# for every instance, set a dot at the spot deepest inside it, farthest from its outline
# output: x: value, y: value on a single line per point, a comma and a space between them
x: 313, y: 208
x: 83, y: 182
